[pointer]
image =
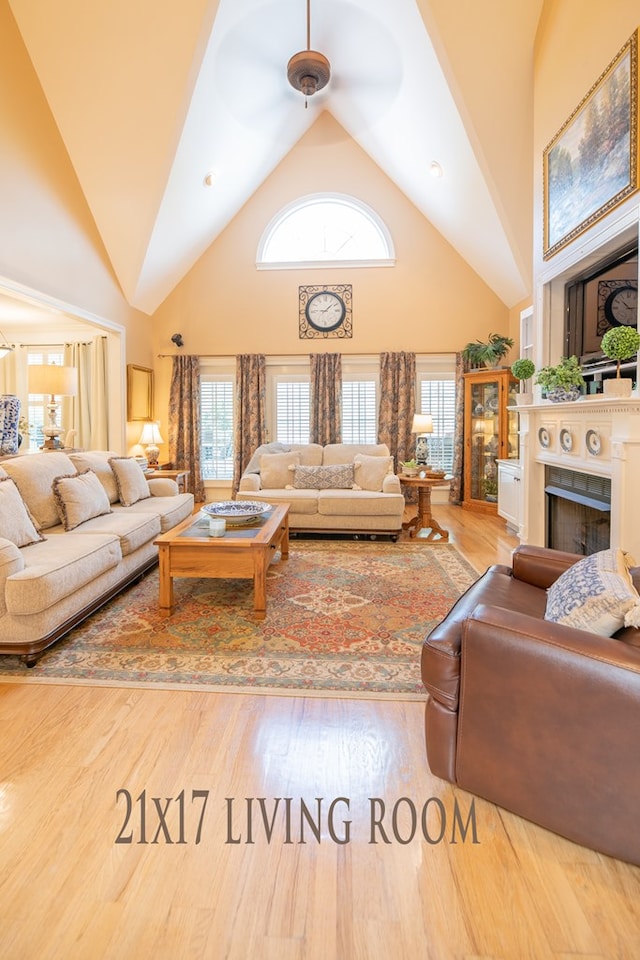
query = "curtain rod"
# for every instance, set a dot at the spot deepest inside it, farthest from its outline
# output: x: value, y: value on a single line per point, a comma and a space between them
x: 286, y: 356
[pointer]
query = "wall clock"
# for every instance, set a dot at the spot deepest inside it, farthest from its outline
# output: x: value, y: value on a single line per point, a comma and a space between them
x: 325, y: 310
x: 617, y: 304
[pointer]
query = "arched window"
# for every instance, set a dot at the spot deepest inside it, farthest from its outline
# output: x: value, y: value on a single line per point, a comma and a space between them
x: 324, y: 229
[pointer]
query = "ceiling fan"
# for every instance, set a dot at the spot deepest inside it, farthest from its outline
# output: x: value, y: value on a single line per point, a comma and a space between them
x: 308, y: 71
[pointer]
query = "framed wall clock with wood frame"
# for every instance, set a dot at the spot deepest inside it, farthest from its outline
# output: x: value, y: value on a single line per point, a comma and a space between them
x: 325, y: 310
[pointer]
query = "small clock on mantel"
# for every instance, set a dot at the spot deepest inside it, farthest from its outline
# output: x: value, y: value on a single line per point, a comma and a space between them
x: 325, y: 310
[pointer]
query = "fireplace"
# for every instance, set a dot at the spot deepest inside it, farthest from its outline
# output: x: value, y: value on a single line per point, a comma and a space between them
x: 578, y: 511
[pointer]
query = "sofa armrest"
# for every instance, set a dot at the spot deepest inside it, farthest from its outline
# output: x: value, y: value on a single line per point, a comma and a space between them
x: 541, y: 566
x: 249, y: 482
x: 391, y: 484
x: 163, y: 487
x: 11, y: 561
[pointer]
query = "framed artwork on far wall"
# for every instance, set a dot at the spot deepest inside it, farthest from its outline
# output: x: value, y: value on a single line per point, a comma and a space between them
x: 139, y: 392
x: 591, y: 165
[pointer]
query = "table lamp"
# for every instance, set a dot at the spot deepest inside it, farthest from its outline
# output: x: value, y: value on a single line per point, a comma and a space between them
x: 57, y: 382
x: 151, y: 437
x: 422, y: 425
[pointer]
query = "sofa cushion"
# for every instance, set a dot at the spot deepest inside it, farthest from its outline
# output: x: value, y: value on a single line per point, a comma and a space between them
x: 133, y: 528
x: 56, y: 568
x: 130, y: 480
x: 170, y: 510
x: 596, y: 594
x: 340, y: 503
x: 300, y: 501
x: 346, y: 452
x: 15, y: 523
x: 80, y: 498
x: 254, y: 463
x: 34, y: 476
x: 98, y: 461
x: 337, y: 477
x: 371, y: 471
x: 276, y: 469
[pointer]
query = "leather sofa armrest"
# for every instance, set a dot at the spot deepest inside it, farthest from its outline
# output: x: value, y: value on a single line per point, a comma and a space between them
x: 249, y: 482
x: 541, y: 566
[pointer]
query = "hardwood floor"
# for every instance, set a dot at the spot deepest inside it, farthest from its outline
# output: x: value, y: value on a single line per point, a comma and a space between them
x: 85, y: 875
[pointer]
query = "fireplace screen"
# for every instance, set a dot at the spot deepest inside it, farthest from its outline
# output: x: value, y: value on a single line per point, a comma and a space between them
x: 578, y: 511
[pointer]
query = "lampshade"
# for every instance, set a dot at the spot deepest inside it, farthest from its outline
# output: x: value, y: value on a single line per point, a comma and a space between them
x: 151, y: 434
x: 54, y: 380
x: 422, y: 423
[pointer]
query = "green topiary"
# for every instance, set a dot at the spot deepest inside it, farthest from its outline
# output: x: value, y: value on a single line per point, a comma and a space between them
x: 523, y: 368
x: 620, y: 343
x: 566, y: 375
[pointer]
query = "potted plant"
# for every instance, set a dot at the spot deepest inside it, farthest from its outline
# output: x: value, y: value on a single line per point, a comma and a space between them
x: 619, y: 343
x: 562, y: 382
x: 488, y: 354
x: 523, y: 369
x: 410, y: 468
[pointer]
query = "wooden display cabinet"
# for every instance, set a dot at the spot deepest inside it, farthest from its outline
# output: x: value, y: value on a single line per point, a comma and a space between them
x: 490, y: 434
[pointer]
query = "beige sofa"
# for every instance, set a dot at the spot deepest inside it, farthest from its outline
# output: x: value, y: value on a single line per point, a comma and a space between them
x: 74, y: 530
x: 323, y: 493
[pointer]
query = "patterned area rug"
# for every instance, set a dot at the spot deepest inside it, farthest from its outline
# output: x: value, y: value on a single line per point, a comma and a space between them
x: 343, y: 619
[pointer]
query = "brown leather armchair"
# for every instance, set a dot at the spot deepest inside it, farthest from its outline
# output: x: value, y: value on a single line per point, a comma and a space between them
x: 537, y: 717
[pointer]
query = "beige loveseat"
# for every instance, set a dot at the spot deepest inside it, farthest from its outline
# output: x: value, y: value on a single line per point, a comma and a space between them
x: 74, y: 530
x: 341, y: 487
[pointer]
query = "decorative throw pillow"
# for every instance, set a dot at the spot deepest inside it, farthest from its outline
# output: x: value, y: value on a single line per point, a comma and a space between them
x: 371, y: 471
x: 131, y: 481
x: 596, y: 594
x: 16, y: 524
x: 98, y: 461
x: 79, y: 498
x: 336, y: 477
x: 276, y: 469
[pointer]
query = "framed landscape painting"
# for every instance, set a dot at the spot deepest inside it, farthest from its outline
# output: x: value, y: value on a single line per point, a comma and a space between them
x: 591, y: 165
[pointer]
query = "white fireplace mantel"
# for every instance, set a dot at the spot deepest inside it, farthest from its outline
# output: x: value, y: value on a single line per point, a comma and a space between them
x: 595, y: 436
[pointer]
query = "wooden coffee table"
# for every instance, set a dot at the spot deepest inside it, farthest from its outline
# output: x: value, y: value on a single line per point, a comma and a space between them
x: 242, y: 553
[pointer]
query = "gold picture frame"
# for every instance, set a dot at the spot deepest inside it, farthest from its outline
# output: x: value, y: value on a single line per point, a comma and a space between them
x: 591, y: 165
x: 139, y: 392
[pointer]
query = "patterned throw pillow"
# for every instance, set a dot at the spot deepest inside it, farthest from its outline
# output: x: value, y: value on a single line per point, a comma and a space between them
x: 131, y: 481
x: 336, y: 477
x: 80, y: 498
x: 596, y: 594
x: 16, y: 524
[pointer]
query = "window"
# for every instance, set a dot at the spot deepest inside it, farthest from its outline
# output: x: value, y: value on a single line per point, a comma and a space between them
x: 292, y: 411
x: 216, y: 427
x: 438, y: 397
x: 322, y: 229
x: 359, y: 411
x: 37, y: 413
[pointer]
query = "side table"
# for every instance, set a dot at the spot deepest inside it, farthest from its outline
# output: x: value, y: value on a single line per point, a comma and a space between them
x: 180, y: 477
x: 424, y: 522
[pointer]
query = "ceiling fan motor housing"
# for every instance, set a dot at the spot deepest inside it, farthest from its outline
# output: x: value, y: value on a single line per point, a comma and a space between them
x: 308, y: 71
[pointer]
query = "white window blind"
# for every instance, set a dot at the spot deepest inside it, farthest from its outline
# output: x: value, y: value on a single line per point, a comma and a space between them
x: 292, y: 411
x: 359, y: 411
x: 438, y: 397
x: 216, y: 428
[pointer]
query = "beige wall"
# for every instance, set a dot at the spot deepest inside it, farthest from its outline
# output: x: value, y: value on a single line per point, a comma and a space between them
x: 48, y: 240
x: 576, y: 41
x: 430, y: 302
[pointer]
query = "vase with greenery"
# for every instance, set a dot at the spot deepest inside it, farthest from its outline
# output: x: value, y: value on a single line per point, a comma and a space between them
x: 523, y: 369
x: 562, y: 382
x: 619, y: 343
x: 489, y: 354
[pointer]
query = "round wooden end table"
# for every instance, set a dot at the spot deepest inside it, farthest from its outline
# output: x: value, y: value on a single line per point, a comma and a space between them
x: 424, y: 522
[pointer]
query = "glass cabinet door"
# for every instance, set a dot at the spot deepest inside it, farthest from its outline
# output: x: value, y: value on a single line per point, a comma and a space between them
x: 485, y: 440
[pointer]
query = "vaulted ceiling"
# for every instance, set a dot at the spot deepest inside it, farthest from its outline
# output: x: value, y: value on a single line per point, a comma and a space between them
x: 150, y: 97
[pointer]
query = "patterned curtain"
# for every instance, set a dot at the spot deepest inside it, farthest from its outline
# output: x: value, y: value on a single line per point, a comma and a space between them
x: 397, y: 404
x: 455, y: 489
x: 184, y: 420
x: 325, y: 398
x: 251, y: 411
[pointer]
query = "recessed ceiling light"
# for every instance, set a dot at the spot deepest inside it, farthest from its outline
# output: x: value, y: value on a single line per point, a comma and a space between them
x: 210, y: 178
x: 435, y: 169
